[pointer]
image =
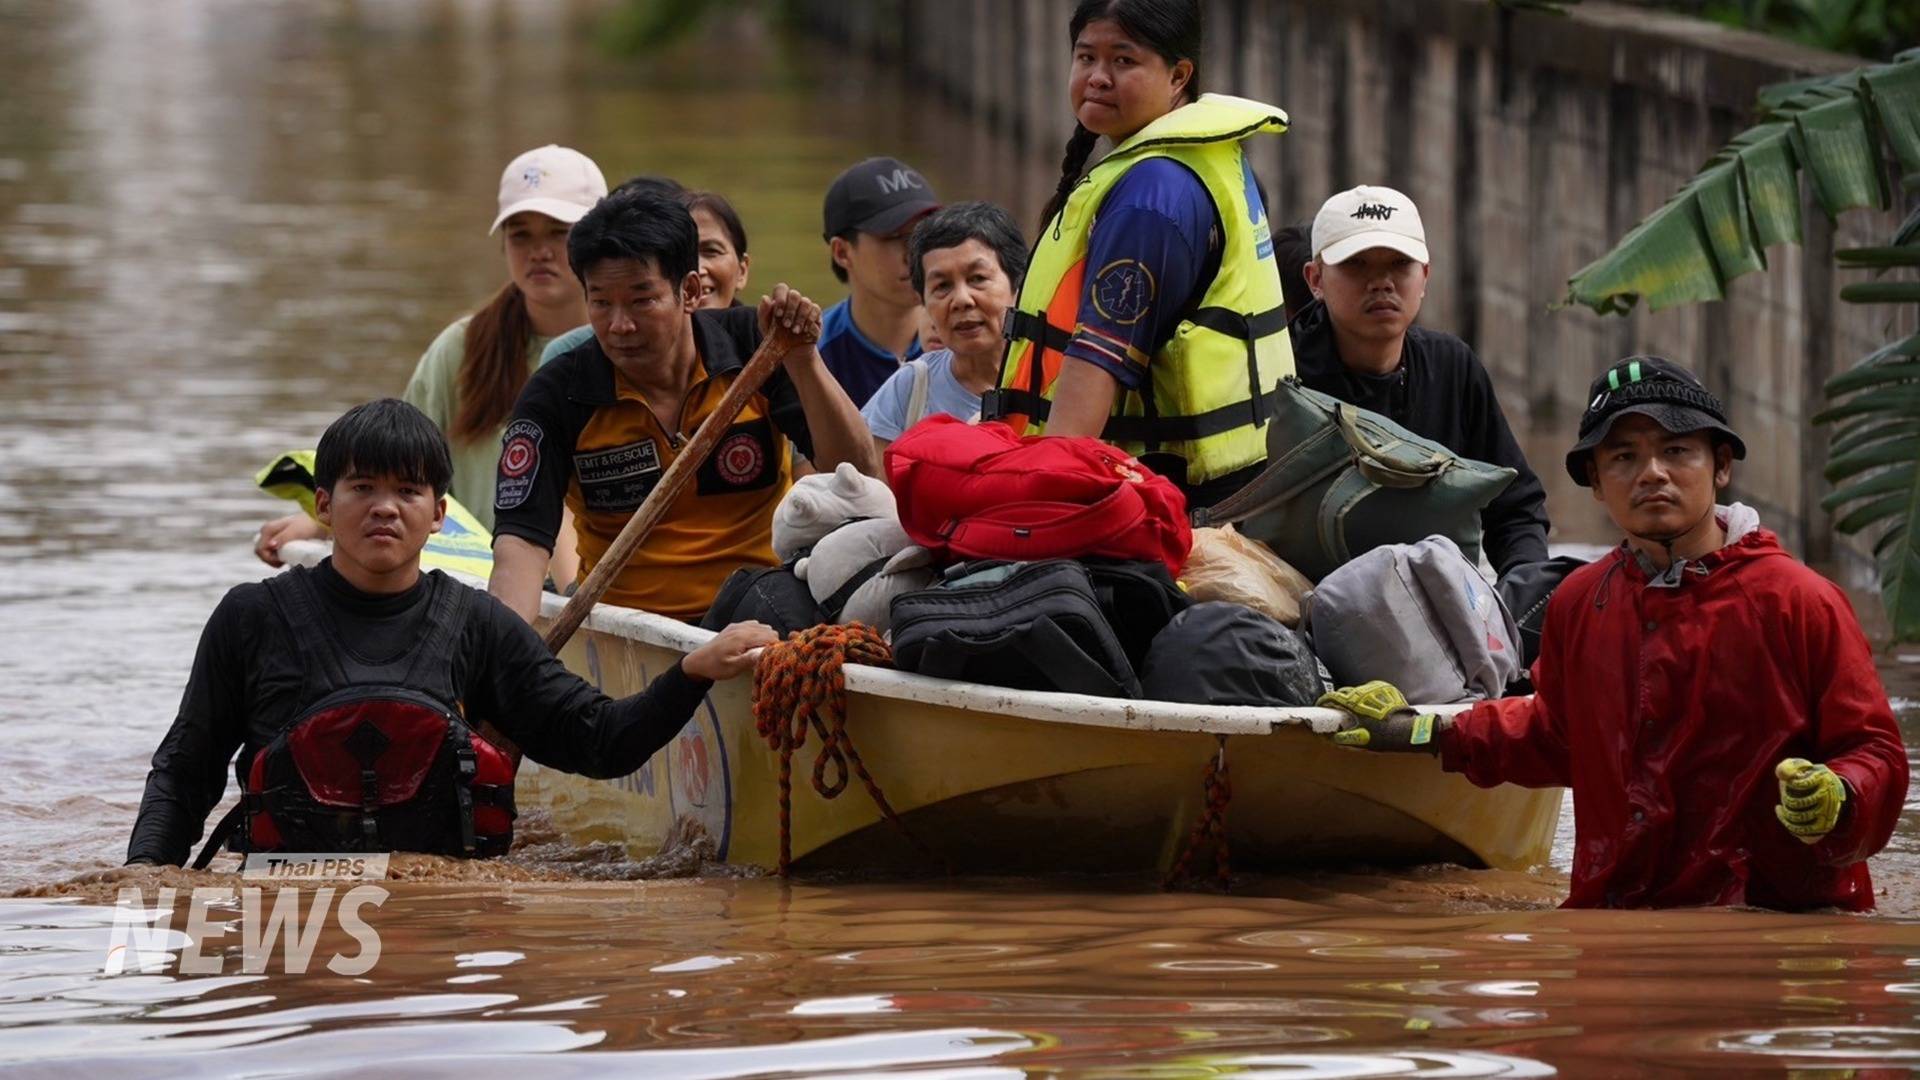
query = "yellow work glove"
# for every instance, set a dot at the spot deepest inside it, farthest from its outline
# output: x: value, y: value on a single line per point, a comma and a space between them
x: 1811, y: 798
x: 1382, y: 719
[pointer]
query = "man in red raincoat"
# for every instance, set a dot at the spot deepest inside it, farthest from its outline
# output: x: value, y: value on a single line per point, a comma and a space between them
x: 1712, y: 702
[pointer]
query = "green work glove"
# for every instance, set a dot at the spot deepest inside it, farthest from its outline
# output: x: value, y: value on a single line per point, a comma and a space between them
x: 1811, y: 798
x: 1382, y: 720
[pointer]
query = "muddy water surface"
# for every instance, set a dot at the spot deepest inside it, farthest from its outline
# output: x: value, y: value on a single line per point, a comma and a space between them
x: 221, y: 222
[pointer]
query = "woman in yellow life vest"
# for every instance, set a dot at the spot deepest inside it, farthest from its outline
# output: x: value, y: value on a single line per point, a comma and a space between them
x: 1151, y: 313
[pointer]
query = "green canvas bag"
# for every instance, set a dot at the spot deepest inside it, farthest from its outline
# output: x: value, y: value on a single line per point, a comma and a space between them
x: 1341, y: 481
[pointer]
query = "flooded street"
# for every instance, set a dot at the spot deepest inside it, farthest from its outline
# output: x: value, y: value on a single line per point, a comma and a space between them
x: 737, y: 978
x: 224, y: 221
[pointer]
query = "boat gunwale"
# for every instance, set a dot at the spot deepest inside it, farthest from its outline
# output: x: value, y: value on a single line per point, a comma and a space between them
x: 1045, y: 706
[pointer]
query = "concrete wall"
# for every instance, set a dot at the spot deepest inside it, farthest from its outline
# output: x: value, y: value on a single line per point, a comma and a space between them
x: 1530, y: 141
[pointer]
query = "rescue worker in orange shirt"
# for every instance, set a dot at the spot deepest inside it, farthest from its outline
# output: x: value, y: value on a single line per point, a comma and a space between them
x: 596, y: 428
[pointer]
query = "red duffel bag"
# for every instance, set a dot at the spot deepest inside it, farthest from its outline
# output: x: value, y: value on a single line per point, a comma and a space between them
x: 978, y: 491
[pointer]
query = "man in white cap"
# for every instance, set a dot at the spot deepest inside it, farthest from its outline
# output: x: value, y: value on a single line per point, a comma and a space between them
x: 1357, y: 342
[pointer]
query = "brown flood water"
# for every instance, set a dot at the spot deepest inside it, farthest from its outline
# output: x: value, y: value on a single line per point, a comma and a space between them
x: 222, y: 221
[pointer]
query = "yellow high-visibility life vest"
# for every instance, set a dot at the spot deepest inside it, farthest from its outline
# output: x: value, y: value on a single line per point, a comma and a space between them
x: 462, y: 544
x: 1212, y: 383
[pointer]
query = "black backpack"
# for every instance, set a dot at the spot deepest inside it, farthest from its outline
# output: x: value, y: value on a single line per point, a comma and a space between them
x: 1029, y: 626
x: 1139, y: 599
x: 769, y: 594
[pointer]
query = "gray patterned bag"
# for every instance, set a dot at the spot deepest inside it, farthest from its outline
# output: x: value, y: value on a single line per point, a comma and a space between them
x: 1419, y: 616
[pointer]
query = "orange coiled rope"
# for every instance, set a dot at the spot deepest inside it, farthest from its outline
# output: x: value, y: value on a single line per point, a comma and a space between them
x: 801, y: 683
x: 1211, y: 823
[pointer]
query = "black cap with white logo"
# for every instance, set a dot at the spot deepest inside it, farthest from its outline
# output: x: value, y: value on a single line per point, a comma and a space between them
x: 880, y: 195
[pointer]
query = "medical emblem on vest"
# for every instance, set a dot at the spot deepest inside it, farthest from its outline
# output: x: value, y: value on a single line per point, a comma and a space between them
x: 743, y: 461
x: 618, y: 479
x: 1123, y: 291
x: 519, y: 462
x: 1375, y: 212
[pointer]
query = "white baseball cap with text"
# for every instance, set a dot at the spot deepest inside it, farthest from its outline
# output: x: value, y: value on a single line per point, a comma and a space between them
x: 1368, y: 217
x: 553, y: 180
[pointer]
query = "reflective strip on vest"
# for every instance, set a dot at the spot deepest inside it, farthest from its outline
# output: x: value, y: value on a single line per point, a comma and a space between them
x: 1212, y: 381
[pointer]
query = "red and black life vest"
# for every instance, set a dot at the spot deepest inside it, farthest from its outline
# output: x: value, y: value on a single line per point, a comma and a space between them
x: 381, y: 760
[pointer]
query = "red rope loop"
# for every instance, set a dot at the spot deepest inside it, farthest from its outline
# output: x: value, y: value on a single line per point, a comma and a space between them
x: 1212, y: 823
x: 801, y: 684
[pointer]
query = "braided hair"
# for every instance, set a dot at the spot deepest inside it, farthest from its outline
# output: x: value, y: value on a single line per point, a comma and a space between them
x: 1168, y: 27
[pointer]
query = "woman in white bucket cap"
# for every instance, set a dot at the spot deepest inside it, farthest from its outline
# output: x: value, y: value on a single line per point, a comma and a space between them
x: 469, y: 378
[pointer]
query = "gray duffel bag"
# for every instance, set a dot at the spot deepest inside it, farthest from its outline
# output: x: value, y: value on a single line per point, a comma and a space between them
x: 1419, y: 616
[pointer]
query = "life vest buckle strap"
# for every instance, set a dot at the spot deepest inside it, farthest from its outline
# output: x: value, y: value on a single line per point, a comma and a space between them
x: 1003, y: 401
x: 1167, y: 429
x: 463, y: 792
x: 496, y: 795
x: 1017, y: 325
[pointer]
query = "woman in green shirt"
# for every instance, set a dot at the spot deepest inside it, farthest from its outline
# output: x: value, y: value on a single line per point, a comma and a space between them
x: 469, y: 378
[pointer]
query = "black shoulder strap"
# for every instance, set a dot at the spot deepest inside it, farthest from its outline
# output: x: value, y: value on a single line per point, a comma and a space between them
x: 221, y: 832
x: 833, y: 605
x: 440, y: 637
x: 308, y: 632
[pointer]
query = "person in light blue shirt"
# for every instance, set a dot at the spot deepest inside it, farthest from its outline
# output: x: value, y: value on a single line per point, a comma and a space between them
x: 966, y: 261
x: 566, y: 343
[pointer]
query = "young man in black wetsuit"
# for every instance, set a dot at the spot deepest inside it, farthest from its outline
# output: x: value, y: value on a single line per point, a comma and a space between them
x: 1357, y: 342
x: 340, y: 683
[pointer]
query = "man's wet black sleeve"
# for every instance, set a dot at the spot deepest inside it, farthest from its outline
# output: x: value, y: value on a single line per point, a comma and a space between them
x: 189, y: 773
x: 556, y: 717
x: 1514, y: 524
x: 536, y: 460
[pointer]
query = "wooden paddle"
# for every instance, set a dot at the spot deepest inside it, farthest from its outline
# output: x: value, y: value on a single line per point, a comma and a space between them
x: 747, y: 383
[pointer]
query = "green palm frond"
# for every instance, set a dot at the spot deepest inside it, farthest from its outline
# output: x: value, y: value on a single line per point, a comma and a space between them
x: 1875, y: 456
x: 1839, y: 131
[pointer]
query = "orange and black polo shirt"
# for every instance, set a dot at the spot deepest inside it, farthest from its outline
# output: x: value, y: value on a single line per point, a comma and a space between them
x: 583, y: 435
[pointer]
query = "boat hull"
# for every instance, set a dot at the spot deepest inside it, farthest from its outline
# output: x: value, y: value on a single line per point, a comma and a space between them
x: 981, y: 788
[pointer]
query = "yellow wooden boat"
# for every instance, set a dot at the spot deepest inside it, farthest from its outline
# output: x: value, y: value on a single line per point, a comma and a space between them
x: 999, y: 780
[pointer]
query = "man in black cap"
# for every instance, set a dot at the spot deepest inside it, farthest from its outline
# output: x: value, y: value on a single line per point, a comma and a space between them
x: 1712, y: 702
x: 871, y: 209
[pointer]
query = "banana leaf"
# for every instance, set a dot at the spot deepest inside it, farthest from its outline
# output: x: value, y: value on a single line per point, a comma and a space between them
x: 1897, y: 401
x: 1895, y: 91
x: 1903, y: 450
x: 1878, y: 258
x: 1881, y: 292
x: 1840, y: 131
x: 1863, y: 435
x: 1900, y: 567
x: 1867, y: 514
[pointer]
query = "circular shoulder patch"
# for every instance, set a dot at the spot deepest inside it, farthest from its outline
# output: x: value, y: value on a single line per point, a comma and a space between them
x: 1123, y: 291
x: 740, y: 459
x: 517, y: 458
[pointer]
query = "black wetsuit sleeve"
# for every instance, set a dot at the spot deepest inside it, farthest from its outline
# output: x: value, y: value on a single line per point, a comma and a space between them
x: 189, y: 773
x: 1514, y: 524
x: 556, y: 717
